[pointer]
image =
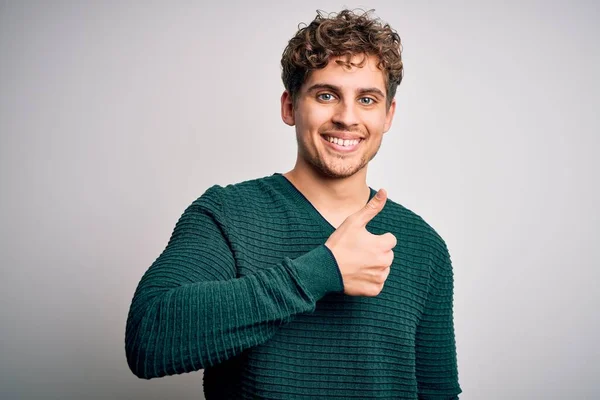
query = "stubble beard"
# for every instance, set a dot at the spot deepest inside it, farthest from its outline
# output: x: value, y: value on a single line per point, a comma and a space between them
x: 332, y: 171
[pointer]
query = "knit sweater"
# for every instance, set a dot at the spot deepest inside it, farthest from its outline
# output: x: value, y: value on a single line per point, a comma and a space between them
x: 247, y: 290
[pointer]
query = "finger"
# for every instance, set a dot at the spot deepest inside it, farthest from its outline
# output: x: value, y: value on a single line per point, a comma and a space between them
x: 388, y: 240
x: 372, y: 208
x: 377, y: 275
x: 385, y: 259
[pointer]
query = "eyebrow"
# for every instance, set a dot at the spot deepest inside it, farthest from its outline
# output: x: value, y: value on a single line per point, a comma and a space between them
x: 371, y: 90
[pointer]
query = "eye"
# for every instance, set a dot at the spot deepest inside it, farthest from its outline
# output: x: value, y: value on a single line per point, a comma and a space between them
x: 367, y: 101
x: 325, y: 96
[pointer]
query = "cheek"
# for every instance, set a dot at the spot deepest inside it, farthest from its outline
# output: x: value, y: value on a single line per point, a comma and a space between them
x: 314, y: 117
x: 375, y: 122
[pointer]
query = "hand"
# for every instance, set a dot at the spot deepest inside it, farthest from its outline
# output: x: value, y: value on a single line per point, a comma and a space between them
x: 364, y: 259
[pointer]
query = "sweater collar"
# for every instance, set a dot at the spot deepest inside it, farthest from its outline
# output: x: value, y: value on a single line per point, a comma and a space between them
x: 303, y: 202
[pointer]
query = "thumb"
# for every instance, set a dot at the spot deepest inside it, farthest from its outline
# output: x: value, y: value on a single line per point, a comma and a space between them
x: 372, y: 208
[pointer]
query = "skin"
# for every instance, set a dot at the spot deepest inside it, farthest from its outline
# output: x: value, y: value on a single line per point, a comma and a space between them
x: 334, y: 182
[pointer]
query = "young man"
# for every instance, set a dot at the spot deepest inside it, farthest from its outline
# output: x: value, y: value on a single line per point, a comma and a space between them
x: 308, y: 284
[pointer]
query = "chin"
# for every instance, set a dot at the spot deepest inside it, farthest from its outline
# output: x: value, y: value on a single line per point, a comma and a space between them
x: 339, y: 172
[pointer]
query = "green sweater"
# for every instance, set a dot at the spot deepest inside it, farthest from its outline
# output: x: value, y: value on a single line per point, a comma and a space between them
x: 246, y: 290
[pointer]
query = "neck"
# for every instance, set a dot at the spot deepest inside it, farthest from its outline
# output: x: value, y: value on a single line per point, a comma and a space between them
x: 336, y: 195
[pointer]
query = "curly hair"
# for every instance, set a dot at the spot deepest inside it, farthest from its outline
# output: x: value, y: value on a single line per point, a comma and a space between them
x: 343, y: 34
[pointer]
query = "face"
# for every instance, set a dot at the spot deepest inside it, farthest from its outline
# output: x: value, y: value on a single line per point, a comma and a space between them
x: 336, y: 107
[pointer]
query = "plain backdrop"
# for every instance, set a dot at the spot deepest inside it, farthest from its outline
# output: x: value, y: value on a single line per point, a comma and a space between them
x: 115, y: 116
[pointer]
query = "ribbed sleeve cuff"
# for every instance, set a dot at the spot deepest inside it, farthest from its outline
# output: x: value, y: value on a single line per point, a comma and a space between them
x: 319, y: 271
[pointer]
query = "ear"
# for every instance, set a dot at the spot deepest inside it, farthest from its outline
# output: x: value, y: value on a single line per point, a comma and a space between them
x: 389, y: 116
x: 287, y: 109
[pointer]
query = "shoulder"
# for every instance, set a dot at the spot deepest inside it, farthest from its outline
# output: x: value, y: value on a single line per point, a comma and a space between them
x: 233, y: 196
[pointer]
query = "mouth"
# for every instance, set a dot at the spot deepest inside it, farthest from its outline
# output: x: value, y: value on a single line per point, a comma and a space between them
x: 345, y: 146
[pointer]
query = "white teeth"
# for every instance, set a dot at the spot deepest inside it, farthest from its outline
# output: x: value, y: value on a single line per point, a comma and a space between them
x: 341, y: 142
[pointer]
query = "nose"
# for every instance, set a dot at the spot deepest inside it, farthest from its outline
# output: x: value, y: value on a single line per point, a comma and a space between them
x: 345, y: 114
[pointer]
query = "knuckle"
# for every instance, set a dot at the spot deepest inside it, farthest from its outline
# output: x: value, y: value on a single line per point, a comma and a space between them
x: 391, y: 240
x: 388, y: 241
x: 386, y: 259
x: 390, y: 258
x: 372, y: 205
x: 378, y: 289
x: 387, y: 272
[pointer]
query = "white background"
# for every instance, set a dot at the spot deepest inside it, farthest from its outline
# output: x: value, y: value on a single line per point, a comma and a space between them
x: 114, y: 117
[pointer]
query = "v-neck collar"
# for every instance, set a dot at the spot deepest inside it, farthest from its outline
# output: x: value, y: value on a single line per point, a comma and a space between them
x: 307, y: 205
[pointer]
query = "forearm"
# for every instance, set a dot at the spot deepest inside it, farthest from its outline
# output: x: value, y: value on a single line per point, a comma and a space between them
x: 195, y: 325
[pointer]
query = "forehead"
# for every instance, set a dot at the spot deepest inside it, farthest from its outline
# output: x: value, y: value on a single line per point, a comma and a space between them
x: 352, y: 77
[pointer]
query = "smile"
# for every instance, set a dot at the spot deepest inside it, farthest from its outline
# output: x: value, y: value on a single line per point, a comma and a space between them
x: 342, y: 145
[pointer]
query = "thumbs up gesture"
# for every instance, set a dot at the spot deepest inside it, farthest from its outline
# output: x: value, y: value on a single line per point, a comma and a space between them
x: 364, y: 259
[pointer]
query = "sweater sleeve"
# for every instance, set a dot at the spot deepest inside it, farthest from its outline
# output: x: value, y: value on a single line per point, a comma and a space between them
x: 190, y: 311
x: 436, y: 360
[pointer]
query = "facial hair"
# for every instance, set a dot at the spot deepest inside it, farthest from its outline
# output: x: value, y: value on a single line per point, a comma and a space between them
x: 322, y: 168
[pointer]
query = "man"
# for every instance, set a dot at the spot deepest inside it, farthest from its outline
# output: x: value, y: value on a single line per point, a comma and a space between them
x: 308, y: 284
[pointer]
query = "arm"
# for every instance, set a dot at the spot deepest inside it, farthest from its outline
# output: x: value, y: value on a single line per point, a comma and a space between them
x: 436, y: 364
x: 190, y: 311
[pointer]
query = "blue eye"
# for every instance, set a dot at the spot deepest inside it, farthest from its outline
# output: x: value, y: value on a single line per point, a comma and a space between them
x: 325, y: 96
x: 368, y: 101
